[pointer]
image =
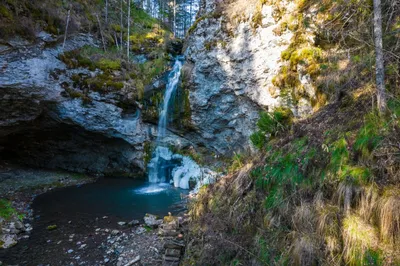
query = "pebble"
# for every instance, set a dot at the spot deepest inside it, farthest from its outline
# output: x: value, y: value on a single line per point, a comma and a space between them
x: 121, y: 223
x: 82, y: 246
x: 70, y: 251
x: 106, y: 260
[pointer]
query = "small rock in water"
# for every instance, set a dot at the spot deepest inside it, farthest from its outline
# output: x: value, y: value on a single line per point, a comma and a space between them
x: 59, y: 242
x: 79, y: 243
x: 106, y: 260
x: 121, y: 223
x: 82, y: 246
x: 105, y: 217
x: 115, y: 232
x: 70, y: 251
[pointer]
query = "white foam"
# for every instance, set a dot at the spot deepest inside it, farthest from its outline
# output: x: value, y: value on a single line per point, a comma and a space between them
x: 152, y: 189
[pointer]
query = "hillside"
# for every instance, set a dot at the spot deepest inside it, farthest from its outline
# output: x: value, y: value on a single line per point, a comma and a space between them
x: 323, y: 189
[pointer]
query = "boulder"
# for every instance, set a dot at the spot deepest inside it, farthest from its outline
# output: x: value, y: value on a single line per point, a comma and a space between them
x: 152, y: 220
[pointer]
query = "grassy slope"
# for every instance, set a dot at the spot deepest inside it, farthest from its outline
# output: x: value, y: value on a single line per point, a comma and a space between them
x: 325, y: 189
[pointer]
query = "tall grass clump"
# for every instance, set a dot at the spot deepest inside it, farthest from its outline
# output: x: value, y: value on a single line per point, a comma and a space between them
x: 271, y: 124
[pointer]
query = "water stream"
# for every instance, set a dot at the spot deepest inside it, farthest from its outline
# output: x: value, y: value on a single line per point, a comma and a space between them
x: 158, y: 168
x: 165, y: 166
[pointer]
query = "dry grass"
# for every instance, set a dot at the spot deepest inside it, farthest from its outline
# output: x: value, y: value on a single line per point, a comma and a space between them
x: 328, y: 228
x: 305, y: 251
x: 347, y: 195
x: 359, y: 238
x: 389, y: 216
x: 304, y: 219
x: 368, y: 202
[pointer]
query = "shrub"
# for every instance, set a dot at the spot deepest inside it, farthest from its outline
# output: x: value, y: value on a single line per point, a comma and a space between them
x: 271, y: 124
x: 7, y: 211
x: 258, y: 139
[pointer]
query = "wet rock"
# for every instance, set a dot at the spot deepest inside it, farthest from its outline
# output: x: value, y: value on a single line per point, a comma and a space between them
x: 174, y: 244
x: 172, y: 233
x: 8, y: 241
x: 114, y: 232
x: 140, y: 230
x: 121, y: 223
x: 152, y: 220
x: 135, y: 260
x: 133, y: 223
x: 173, y: 252
x: 70, y: 251
x: 168, y: 258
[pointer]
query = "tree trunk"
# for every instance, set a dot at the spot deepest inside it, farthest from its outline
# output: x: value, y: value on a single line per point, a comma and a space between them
x: 66, y: 28
x: 101, y: 33
x: 129, y: 28
x: 106, y: 12
x: 122, y: 26
x: 379, y: 67
x: 174, y: 31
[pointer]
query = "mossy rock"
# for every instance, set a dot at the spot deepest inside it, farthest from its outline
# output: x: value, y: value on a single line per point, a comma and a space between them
x: 52, y: 227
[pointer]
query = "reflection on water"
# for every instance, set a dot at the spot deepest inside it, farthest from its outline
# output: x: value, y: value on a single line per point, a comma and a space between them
x: 119, y: 197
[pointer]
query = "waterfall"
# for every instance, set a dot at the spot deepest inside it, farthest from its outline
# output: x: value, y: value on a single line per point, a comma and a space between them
x: 161, y: 155
x: 164, y: 163
x: 173, y: 79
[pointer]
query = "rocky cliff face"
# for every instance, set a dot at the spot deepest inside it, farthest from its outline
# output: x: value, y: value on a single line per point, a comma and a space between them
x: 233, y: 54
x: 42, y: 126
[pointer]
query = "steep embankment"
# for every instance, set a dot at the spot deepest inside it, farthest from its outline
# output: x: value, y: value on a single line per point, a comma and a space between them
x: 324, y: 189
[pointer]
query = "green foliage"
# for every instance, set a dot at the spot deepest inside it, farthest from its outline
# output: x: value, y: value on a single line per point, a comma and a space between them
x: 7, y: 211
x: 258, y: 139
x: 339, y: 155
x: 275, y: 197
x: 148, y: 152
x: 207, y: 16
x: 238, y: 161
x: 285, y: 169
x: 271, y: 124
x: 370, y: 135
x: 109, y: 64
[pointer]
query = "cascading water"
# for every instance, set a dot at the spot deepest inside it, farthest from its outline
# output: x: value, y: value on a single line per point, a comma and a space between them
x: 162, y: 154
x: 164, y: 163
